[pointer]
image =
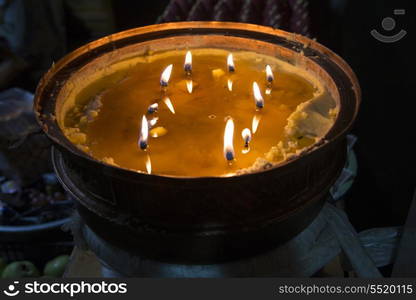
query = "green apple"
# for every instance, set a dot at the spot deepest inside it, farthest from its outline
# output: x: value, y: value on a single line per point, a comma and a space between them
x: 56, y: 267
x: 2, y: 265
x: 20, y: 269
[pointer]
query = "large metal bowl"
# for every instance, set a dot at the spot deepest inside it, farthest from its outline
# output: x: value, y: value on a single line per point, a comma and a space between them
x: 201, y: 218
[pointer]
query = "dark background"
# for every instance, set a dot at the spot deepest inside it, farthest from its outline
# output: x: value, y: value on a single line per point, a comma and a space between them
x: 386, y: 124
x: 385, y: 128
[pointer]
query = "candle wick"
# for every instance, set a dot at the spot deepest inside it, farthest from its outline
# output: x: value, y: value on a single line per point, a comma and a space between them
x: 246, y: 134
x: 230, y: 63
x: 144, y: 133
x: 188, y: 63
x: 143, y: 145
x: 188, y: 69
x: 229, y: 156
x: 153, y: 108
x: 258, y: 98
x: 269, y: 75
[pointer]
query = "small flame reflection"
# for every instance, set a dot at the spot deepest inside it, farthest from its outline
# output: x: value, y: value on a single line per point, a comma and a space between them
x: 189, y: 86
x: 152, y: 122
x: 255, y: 123
x: 169, y: 104
x: 148, y: 165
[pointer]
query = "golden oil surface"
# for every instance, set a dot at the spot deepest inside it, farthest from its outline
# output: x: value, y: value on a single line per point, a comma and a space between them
x: 192, y: 143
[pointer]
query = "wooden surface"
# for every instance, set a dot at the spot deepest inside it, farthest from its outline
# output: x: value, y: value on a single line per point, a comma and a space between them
x: 405, y: 265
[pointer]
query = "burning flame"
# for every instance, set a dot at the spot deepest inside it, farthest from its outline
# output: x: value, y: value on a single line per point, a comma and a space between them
x: 228, y: 140
x: 169, y: 104
x: 269, y: 74
x: 189, y: 86
x: 148, y: 165
x: 258, y: 98
x: 246, y: 134
x: 164, y: 78
x: 255, y: 123
x: 188, y: 62
x: 230, y: 63
x: 152, y: 108
x: 144, y: 134
x: 230, y: 85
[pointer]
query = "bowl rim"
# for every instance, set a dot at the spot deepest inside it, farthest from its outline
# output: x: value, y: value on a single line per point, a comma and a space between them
x: 48, y: 121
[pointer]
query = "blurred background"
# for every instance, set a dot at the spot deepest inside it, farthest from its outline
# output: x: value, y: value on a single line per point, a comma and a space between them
x: 36, y: 33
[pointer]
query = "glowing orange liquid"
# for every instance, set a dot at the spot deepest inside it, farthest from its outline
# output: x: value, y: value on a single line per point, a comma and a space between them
x: 193, y: 144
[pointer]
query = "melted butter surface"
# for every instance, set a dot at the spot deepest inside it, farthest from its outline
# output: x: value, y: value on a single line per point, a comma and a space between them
x: 193, y: 142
